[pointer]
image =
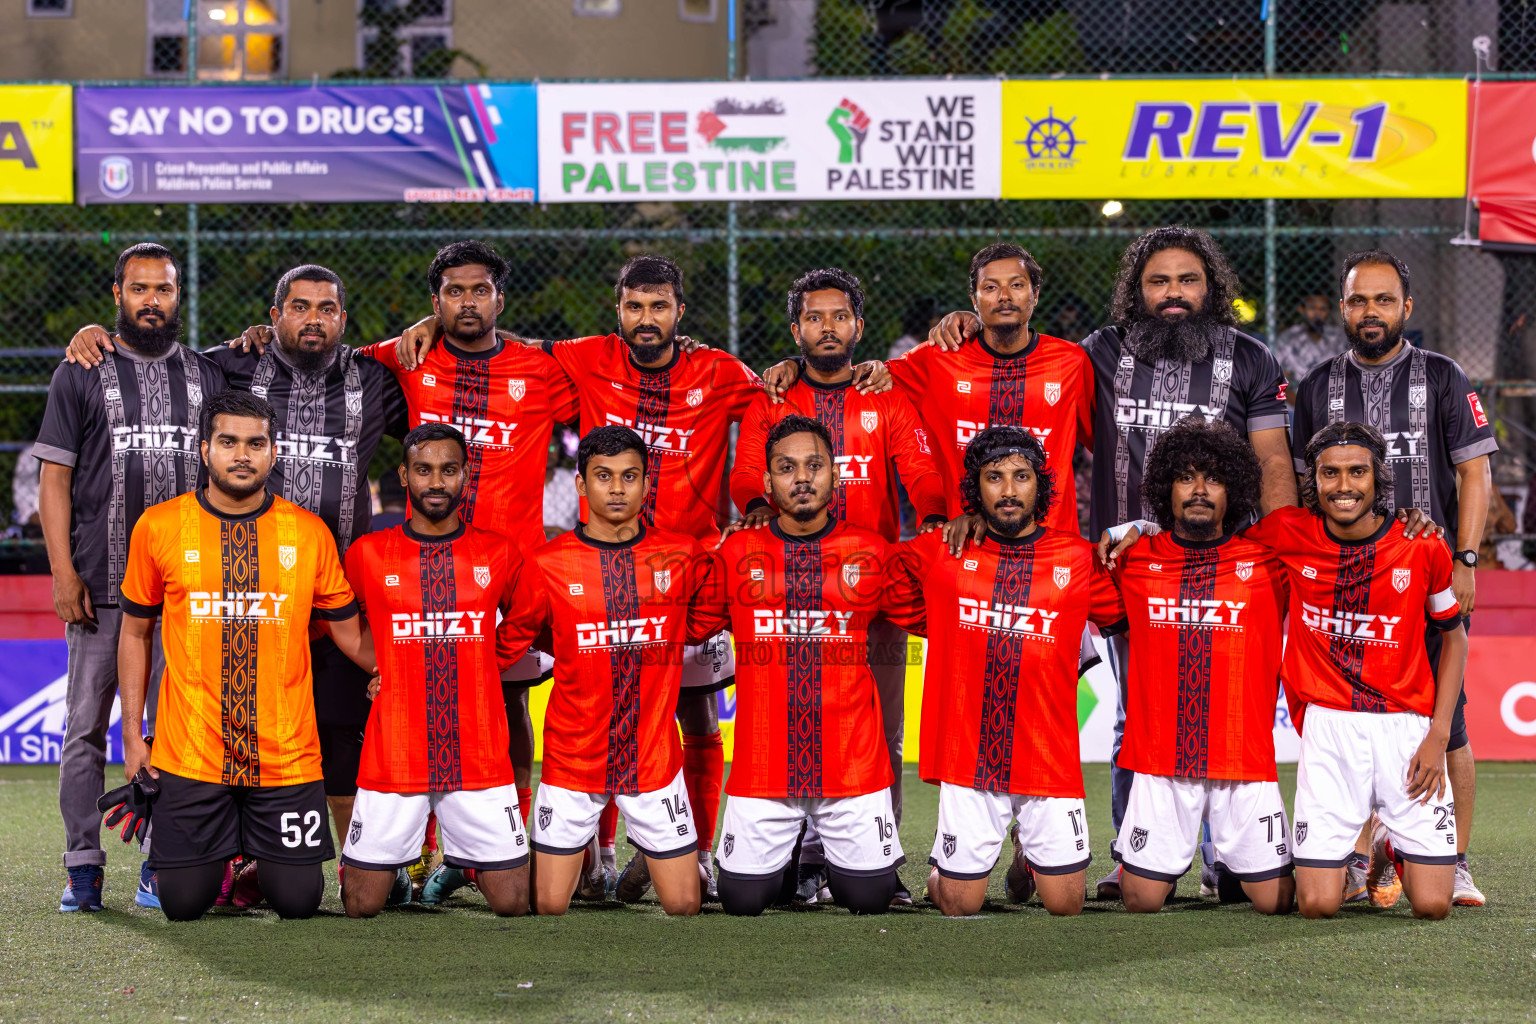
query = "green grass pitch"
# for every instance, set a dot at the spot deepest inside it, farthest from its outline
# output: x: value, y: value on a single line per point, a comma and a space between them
x: 1196, y: 961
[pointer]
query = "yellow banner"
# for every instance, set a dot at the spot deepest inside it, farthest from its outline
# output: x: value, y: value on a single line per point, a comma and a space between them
x: 1251, y: 139
x: 37, y: 144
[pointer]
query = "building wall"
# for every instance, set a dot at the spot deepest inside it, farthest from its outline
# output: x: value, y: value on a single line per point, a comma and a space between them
x: 102, y: 39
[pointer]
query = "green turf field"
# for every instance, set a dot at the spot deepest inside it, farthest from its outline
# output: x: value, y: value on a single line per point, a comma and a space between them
x: 1194, y: 961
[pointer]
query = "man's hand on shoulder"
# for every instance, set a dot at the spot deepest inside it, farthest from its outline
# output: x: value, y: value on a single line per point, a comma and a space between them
x: 257, y: 336
x: 87, y: 346
x: 954, y: 329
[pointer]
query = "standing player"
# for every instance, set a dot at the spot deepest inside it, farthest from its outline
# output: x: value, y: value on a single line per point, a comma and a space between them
x: 1206, y: 605
x: 999, y: 732
x: 437, y: 737
x: 116, y: 438
x: 1374, y: 715
x: 799, y: 597
x: 615, y: 592
x: 238, y: 575
x: 1438, y: 446
x: 872, y: 435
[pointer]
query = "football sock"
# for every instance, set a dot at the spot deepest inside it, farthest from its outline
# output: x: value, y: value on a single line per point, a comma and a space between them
x: 430, y: 842
x: 524, y: 802
x: 704, y: 775
x: 608, y: 825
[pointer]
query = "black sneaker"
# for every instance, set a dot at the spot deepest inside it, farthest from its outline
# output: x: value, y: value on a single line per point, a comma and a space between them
x: 902, y: 897
x: 83, y: 890
x: 811, y: 885
x: 634, y: 881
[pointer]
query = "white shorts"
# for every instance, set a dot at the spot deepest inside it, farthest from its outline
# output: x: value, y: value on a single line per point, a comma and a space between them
x: 1353, y: 763
x: 658, y: 824
x: 857, y: 832
x: 974, y: 824
x: 1161, y: 829
x: 533, y: 668
x: 482, y: 829
x: 711, y: 665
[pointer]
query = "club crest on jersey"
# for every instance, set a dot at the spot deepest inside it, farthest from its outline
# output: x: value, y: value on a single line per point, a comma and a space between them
x: 1301, y: 832
x: 662, y: 578
x: 730, y: 844
x: 695, y: 397
x: 1138, y: 839
x: 1052, y: 392
x: 1418, y: 395
x: 851, y: 574
x: 517, y: 389
x: 483, y: 576
x: 354, y: 401
x: 287, y: 555
x: 355, y: 832
x: 1400, y: 578
x: 949, y: 845
x: 922, y: 441
x: 1244, y: 570
x: 1221, y: 371
x: 1062, y: 575
x: 546, y: 815
x: 869, y: 420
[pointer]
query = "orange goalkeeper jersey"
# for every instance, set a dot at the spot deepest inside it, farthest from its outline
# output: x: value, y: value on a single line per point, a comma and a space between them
x: 235, y: 595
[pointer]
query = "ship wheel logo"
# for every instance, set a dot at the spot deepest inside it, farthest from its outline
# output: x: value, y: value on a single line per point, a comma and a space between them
x: 1050, y: 138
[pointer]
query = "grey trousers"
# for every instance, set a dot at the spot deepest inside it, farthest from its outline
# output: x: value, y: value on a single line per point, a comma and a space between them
x: 88, y: 710
x: 1120, y: 779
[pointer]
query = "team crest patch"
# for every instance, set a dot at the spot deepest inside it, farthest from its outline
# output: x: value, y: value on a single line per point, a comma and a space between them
x: 1418, y: 394
x: 1400, y: 579
x: 1301, y: 832
x: 695, y: 396
x: 483, y: 576
x: 730, y: 844
x: 662, y: 578
x: 1062, y: 574
x: 1244, y: 570
x: 869, y: 419
x: 355, y: 832
x: 1221, y: 371
x: 1138, y: 839
x: 287, y: 555
x: 922, y: 441
x: 546, y: 815
x: 517, y: 389
x: 851, y: 574
x: 354, y: 400
x: 1052, y: 392
x: 949, y: 845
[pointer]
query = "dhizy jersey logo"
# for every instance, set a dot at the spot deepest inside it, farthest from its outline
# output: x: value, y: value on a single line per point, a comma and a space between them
x: 1155, y: 415
x: 251, y: 605
x: 1171, y: 611
x: 854, y: 469
x: 455, y: 625
x: 824, y: 625
x: 1018, y: 619
x: 1351, y: 625
x: 600, y: 636
x: 154, y: 439
x: 313, y: 448
x: 965, y: 430
x: 1405, y: 444
x: 478, y: 431
x: 670, y: 440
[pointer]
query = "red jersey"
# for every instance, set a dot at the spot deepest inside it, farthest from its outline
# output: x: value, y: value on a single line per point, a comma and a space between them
x: 807, y: 713
x: 1205, y: 640
x: 869, y: 432
x: 683, y: 411
x: 439, y: 722
x: 506, y: 401
x: 1358, y: 613
x: 1005, y: 626
x: 1047, y: 388
x: 619, y: 616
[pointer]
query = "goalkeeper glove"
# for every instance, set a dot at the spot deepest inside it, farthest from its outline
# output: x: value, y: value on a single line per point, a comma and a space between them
x: 130, y: 805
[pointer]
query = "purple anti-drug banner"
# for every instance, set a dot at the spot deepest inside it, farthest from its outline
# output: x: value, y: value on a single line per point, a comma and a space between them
x: 367, y: 143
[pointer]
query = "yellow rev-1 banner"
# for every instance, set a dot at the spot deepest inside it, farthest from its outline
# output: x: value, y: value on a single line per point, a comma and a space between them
x: 1245, y: 138
x: 37, y: 144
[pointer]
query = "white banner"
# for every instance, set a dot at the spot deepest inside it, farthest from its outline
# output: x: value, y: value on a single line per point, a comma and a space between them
x: 855, y: 139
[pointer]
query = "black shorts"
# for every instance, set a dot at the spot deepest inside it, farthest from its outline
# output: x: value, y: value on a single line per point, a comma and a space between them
x: 204, y: 822
x: 1432, y: 641
x: 341, y: 688
x: 341, y: 753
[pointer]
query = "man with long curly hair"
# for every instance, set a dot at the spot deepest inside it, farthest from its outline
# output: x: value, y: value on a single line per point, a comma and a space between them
x: 999, y: 724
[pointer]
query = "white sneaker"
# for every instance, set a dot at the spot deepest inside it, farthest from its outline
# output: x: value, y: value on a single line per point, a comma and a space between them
x: 1109, y: 885
x: 1466, y: 893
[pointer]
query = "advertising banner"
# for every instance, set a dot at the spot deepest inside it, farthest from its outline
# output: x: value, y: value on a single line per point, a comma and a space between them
x: 641, y: 142
x: 462, y: 143
x: 1501, y: 160
x: 36, y: 144
x: 33, y: 685
x: 1210, y: 139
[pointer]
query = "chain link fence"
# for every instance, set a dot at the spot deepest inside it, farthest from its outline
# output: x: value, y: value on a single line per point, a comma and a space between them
x: 56, y: 261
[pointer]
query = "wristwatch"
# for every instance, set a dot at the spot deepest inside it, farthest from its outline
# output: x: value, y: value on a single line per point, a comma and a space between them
x: 1466, y: 558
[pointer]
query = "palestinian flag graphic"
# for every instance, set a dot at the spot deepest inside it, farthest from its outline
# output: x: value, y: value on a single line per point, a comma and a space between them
x: 753, y: 127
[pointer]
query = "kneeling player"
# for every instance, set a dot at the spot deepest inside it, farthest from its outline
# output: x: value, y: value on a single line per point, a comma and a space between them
x: 436, y: 740
x: 615, y: 594
x: 236, y: 575
x: 999, y: 726
x: 799, y: 597
x: 1205, y: 608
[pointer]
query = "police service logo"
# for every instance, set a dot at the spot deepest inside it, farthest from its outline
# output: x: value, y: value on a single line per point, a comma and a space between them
x: 730, y: 844
x: 355, y: 832
x: 949, y: 845
x: 546, y: 815
x: 869, y: 420
x: 116, y: 176
x: 851, y: 574
x: 1138, y: 839
x: 517, y: 389
x: 483, y: 576
x: 1061, y: 575
x: 1301, y: 832
x: 1401, y: 579
x: 288, y: 556
x: 1244, y: 570
x: 1052, y: 392
x: 1221, y: 371
x: 1418, y: 395
x: 662, y: 579
x: 695, y: 397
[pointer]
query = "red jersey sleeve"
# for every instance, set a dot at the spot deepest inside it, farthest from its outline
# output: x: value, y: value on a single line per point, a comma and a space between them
x: 1087, y: 395
x: 911, y: 448
x: 575, y: 355
x: 333, y: 596
x: 1106, y: 608
x: 1441, y: 607
x: 902, y: 600
x: 355, y: 565
x: 524, y: 612
x: 1271, y: 530
x: 737, y: 384
x: 751, y: 463
x: 709, y: 612
x: 909, y: 371
x: 384, y: 352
